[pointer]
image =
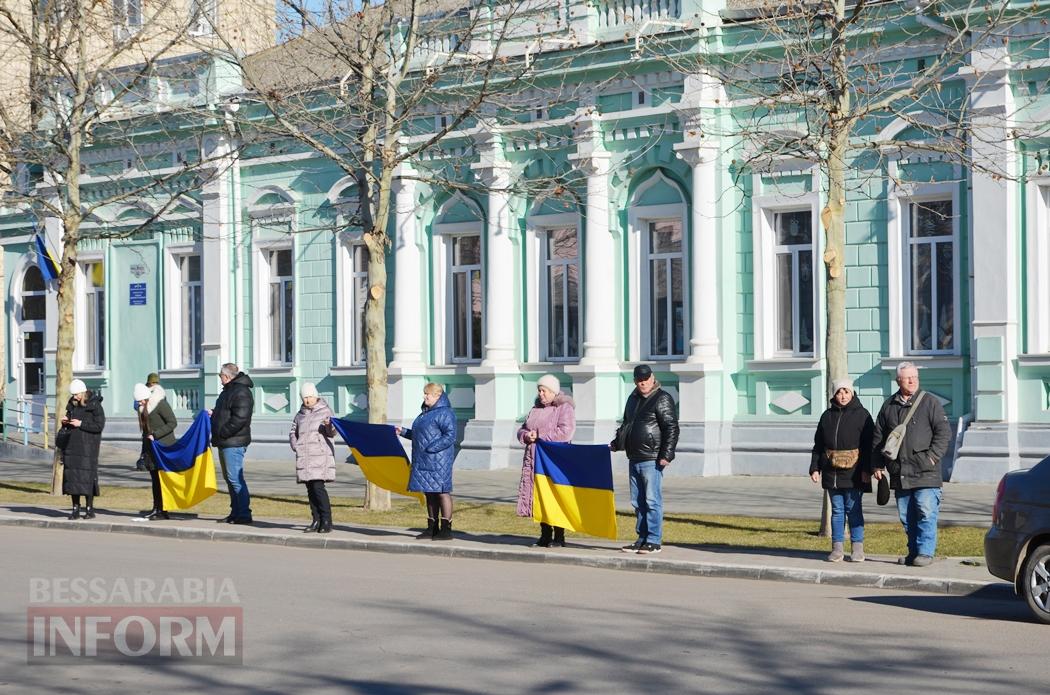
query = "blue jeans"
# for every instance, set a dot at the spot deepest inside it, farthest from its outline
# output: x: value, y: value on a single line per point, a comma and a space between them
x: 232, y: 460
x: 918, y: 511
x: 846, y: 504
x: 646, y: 497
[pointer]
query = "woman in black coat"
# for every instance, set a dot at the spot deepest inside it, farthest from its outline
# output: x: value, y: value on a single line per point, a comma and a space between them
x: 157, y: 423
x: 841, y: 462
x: 80, y: 438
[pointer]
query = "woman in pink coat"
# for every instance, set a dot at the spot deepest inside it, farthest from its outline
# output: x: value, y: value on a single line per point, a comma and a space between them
x: 552, y: 419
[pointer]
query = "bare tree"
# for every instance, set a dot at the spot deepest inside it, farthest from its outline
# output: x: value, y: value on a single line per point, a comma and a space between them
x: 85, y: 81
x: 353, y: 83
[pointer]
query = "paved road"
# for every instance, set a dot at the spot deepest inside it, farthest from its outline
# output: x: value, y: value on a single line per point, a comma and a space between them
x: 774, y: 496
x: 320, y: 622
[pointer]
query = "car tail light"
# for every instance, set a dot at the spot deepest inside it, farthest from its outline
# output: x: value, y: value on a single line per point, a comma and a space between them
x: 999, y: 491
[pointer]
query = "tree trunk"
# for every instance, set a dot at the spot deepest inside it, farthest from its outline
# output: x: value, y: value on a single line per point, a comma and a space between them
x: 376, y: 499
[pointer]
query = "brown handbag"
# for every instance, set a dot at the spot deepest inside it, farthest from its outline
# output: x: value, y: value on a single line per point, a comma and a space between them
x: 843, y: 458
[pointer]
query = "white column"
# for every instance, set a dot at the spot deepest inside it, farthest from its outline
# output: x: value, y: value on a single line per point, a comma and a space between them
x: 495, y: 173
x: 703, y: 301
x: 219, y: 222
x: 408, y: 343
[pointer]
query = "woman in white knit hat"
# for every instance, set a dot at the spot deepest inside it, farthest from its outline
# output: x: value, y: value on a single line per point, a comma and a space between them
x: 552, y: 419
x: 311, y: 440
x: 841, y: 462
x: 80, y: 439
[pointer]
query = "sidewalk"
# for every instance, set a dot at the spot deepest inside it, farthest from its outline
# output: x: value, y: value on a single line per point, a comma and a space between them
x: 783, y: 497
x: 947, y: 576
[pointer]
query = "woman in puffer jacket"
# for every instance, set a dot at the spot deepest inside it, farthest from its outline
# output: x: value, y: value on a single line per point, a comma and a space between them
x: 433, y: 435
x: 552, y: 419
x: 311, y: 440
x: 841, y: 462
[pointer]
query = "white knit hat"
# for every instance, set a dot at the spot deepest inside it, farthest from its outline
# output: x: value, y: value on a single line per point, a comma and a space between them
x: 308, y: 389
x: 77, y: 386
x: 838, y: 384
x: 142, y: 392
x: 549, y: 382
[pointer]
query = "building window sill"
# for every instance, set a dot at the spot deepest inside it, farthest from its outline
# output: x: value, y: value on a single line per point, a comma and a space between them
x: 925, y: 362
x: 279, y: 371
x: 348, y: 370
x: 786, y: 364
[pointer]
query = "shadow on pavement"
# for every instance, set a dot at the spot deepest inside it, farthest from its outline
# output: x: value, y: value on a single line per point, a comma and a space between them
x: 995, y: 603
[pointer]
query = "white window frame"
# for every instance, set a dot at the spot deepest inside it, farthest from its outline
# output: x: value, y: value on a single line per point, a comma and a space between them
x: 173, y: 300
x: 639, y: 313
x: 261, y: 276
x: 125, y: 23
x: 793, y: 250
x: 764, y: 254
x: 24, y: 326
x: 1037, y: 243
x: 80, y: 356
x: 899, y: 268
x: 444, y: 330
x: 537, y: 228
x: 347, y: 321
x: 203, y: 16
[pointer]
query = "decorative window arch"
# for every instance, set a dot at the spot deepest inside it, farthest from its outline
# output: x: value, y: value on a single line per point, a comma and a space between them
x: 657, y: 247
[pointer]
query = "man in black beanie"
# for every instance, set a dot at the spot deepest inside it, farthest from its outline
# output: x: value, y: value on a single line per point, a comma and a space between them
x: 648, y: 434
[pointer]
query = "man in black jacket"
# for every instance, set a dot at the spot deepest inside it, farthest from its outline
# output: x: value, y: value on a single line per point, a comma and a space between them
x: 915, y: 474
x: 649, y: 434
x: 231, y: 433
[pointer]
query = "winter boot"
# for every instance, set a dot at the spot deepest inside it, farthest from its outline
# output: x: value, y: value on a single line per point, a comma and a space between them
x: 325, y: 525
x: 857, y: 552
x: 89, y: 513
x: 545, y: 536
x: 431, y: 530
x: 75, y: 514
x: 836, y: 554
x: 314, y: 525
x: 445, y: 531
x: 559, y: 537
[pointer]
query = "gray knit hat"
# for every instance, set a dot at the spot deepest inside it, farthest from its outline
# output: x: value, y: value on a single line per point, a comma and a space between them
x: 838, y: 384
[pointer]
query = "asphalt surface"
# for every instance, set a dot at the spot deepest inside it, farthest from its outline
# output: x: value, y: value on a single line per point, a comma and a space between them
x: 358, y: 622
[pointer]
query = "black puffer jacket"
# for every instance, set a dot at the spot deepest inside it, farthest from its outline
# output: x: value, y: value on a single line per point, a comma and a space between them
x: 843, y: 427
x: 80, y: 449
x: 649, y: 430
x: 918, y: 463
x: 231, y: 419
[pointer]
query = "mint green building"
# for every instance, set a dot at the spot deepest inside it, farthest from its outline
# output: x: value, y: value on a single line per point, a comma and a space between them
x: 669, y: 255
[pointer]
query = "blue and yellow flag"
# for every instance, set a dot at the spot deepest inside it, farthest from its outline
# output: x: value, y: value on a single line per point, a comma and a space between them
x: 187, y: 467
x: 45, y: 259
x: 573, y: 488
x: 379, y: 453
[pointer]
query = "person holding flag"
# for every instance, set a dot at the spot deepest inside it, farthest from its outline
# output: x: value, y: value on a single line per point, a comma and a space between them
x: 157, y: 422
x: 311, y: 440
x: 552, y: 419
x: 433, y: 436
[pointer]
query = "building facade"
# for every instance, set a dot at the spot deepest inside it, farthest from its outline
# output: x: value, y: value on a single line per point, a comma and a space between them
x: 668, y: 253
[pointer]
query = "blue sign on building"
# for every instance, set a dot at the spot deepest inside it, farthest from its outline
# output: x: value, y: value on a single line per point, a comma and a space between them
x: 137, y: 294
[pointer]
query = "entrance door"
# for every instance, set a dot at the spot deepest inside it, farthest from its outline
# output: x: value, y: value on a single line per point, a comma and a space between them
x: 32, y: 321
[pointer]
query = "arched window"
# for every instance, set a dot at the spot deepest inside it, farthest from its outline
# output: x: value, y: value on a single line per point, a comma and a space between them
x: 31, y: 330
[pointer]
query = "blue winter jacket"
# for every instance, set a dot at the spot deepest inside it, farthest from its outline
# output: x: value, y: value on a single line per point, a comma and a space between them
x: 433, y: 435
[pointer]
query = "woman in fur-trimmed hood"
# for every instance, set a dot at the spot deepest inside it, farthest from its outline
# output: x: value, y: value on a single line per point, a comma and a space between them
x: 157, y: 423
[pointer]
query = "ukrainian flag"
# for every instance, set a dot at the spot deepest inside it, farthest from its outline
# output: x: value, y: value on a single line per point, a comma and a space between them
x: 379, y: 453
x: 45, y: 259
x: 187, y: 467
x: 573, y: 488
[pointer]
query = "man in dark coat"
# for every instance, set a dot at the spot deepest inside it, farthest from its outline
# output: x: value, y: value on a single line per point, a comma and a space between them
x: 649, y: 435
x: 231, y: 433
x: 915, y: 474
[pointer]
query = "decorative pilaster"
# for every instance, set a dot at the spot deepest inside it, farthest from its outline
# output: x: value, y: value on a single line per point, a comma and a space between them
x: 220, y: 221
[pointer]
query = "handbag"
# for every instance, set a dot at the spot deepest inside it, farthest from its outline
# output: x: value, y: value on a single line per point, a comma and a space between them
x: 882, y: 492
x: 843, y: 458
x: 62, y: 438
x: 892, y: 448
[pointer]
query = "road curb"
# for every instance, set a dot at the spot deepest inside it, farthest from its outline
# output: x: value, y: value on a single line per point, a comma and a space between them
x: 933, y: 585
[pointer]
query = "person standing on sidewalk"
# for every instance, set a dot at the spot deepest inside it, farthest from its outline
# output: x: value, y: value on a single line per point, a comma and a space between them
x: 433, y: 436
x: 80, y: 439
x: 649, y: 435
x: 231, y: 433
x: 915, y: 471
x: 157, y: 422
x: 311, y: 440
x: 552, y: 419
x: 841, y: 462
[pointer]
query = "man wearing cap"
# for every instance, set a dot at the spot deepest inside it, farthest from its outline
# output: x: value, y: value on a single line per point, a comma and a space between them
x: 648, y: 434
x: 231, y: 433
x: 915, y: 471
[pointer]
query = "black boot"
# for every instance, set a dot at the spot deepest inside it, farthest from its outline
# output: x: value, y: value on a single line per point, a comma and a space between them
x: 89, y: 513
x: 431, y: 531
x: 314, y: 525
x: 444, y: 532
x: 75, y: 514
x: 158, y: 515
x: 326, y: 524
x: 545, y: 536
x: 559, y: 537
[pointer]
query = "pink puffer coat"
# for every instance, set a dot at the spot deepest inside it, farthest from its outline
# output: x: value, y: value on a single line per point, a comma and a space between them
x: 553, y: 423
x: 312, y: 443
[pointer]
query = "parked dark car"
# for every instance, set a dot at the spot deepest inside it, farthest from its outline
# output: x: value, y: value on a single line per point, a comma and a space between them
x: 1017, y: 547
